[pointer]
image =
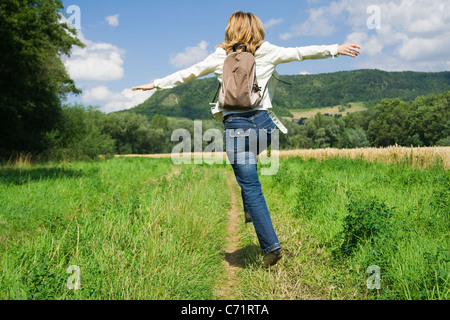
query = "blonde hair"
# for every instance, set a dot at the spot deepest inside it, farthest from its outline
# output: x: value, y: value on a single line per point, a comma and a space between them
x: 244, y: 29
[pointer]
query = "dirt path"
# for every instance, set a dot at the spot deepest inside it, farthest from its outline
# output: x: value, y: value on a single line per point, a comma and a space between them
x: 233, y: 259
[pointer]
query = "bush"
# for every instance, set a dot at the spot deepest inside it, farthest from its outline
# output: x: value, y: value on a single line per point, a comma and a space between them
x: 79, y: 135
x: 366, y: 220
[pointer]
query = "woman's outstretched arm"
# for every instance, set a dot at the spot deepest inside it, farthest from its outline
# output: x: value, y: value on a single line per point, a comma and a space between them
x: 348, y: 49
x: 181, y: 77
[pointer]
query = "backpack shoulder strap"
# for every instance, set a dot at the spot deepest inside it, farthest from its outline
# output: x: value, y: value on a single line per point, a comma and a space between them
x: 217, y: 94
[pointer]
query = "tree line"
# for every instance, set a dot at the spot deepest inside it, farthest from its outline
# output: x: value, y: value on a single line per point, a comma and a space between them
x: 33, y: 79
x: 85, y: 132
x: 424, y: 121
x: 304, y: 92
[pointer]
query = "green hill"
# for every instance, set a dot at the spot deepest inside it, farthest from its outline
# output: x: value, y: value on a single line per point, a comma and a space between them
x: 305, y: 92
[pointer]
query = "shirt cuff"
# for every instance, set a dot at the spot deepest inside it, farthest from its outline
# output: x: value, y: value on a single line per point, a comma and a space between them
x: 157, y: 83
x: 335, y: 51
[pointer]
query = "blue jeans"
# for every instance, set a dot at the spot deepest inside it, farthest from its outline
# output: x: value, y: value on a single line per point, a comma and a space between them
x: 246, y: 136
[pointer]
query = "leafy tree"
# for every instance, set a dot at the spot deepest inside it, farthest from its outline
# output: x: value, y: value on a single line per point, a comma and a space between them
x: 429, y: 120
x: 322, y: 131
x: 444, y: 142
x: 422, y: 122
x: 33, y: 79
x: 353, y: 138
x: 130, y: 132
x: 79, y: 135
x: 390, y: 127
x: 159, y: 122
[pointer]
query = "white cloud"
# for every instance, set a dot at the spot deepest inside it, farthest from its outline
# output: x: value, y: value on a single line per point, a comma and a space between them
x: 190, y: 56
x: 370, y: 44
x: 272, y: 22
x: 413, y: 35
x: 126, y: 100
x: 101, y: 93
x: 113, y: 21
x: 96, y: 62
x: 113, y: 101
x: 419, y: 49
x: 319, y: 22
x: 287, y: 35
x: 304, y: 73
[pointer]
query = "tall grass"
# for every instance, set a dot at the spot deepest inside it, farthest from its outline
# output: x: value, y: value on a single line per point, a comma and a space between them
x: 134, y: 229
x: 337, y: 217
x: 142, y: 228
x: 361, y: 214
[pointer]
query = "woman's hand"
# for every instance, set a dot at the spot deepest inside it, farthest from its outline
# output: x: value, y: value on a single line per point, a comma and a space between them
x: 145, y: 87
x: 349, y: 49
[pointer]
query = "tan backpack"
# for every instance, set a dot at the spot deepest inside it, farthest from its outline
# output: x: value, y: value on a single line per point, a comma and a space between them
x: 239, y: 89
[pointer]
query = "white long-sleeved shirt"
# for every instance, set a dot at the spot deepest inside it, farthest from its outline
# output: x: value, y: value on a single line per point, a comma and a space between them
x: 267, y: 57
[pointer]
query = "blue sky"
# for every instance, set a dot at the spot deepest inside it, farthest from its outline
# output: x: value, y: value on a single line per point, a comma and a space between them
x: 133, y: 42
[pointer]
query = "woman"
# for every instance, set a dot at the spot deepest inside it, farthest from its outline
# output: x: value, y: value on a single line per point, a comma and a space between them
x: 244, y: 130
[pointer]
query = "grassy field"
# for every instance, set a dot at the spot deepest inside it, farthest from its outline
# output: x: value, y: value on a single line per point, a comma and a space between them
x: 338, y: 217
x: 332, y: 111
x: 133, y: 229
x: 142, y: 228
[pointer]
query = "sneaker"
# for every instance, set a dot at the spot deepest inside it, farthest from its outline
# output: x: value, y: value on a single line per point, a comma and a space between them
x: 248, y: 219
x: 272, y: 258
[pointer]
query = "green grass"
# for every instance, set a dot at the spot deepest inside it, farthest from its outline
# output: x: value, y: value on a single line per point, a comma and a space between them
x: 338, y: 217
x: 143, y: 228
x: 133, y: 233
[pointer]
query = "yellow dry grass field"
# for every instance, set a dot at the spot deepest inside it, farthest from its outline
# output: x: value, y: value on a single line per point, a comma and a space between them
x: 424, y: 157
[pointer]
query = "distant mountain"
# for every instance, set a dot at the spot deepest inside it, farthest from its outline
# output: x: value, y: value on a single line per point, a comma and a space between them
x: 306, y: 91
